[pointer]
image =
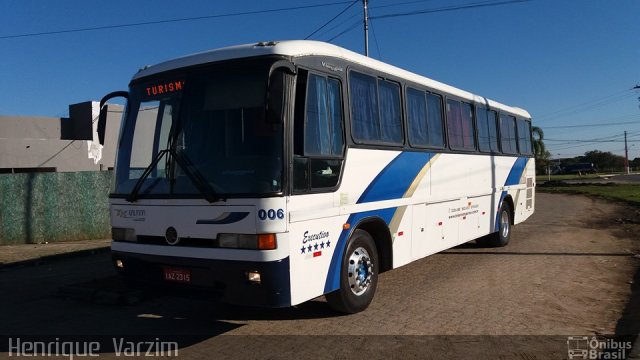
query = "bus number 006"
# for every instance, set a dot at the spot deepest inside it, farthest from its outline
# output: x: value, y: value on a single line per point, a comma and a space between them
x: 271, y: 214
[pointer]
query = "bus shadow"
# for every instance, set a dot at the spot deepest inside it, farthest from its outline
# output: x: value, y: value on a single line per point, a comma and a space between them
x: 313, y: 309
x: 533, y: 253
x: 629, y: 323
x: 112, y: 291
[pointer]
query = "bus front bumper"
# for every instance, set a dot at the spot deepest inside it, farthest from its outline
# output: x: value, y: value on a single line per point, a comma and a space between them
x: 226, y: 279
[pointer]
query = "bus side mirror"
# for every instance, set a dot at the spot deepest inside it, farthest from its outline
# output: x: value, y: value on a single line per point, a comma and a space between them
x: 102, y: 118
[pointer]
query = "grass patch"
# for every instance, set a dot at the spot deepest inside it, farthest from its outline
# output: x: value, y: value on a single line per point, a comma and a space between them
x: 541, y: 178
x: 628, y: 193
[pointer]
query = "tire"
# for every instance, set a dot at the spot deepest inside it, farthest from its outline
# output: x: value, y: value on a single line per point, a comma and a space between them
x: 358, y: 275
x: 503, y: 235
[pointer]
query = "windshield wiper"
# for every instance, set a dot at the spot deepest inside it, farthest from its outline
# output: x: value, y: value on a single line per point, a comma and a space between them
x: 187, y: 166
x: 196, y: 177
x: 136, y: 189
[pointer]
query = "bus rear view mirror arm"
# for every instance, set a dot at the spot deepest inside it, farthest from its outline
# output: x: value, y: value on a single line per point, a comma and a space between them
x: 102, y: 118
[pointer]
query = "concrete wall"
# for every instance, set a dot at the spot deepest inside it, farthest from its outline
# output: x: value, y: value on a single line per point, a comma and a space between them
x: 32, y: 144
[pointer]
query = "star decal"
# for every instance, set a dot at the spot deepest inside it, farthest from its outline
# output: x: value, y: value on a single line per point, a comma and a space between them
x: 302, y: 250
x: 309, y: 247
x: 328, y: 243
x: 315, y: 246
x: 322, y: 245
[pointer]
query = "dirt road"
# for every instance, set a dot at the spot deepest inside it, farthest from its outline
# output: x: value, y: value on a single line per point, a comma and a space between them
x: 568, y: 271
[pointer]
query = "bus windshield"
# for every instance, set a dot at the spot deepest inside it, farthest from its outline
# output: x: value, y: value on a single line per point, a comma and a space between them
x: 201, y: 129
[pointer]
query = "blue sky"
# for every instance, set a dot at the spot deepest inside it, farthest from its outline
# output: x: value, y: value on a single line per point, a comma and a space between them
x: 568, y: 62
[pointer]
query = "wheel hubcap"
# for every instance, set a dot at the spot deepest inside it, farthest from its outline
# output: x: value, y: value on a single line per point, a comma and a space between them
x: 360, y: 270
x: 504, y: 224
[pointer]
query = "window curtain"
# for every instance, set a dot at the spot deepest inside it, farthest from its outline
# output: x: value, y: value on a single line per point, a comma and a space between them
x: 508, y: 134
x: 434, y: 122
x: 493, y: 130
x: 390, y: 116
x: 466, y: 112
x: 417, y: 117
x: 317, y: 141
x: 335, y: 109
x: 484, y: 140
x: 364, y: 107
x: 455, y: 124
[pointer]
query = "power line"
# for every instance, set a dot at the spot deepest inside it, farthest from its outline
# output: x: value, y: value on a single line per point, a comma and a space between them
x: 590, y: 141
x: 332, y: 19
x: 590, y: 125
x: 376, y: 39
x: 587, y: 142
x: 400, y: 4
x: 429, y: 11
x: 353, y: 26
x: 156, y: 22
x: 336, y: 26
x: 584, y: 106
x: 450, y: 8
x: 617, y: 135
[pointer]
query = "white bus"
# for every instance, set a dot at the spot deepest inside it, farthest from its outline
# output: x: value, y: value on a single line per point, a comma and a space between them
x: 274, y: 173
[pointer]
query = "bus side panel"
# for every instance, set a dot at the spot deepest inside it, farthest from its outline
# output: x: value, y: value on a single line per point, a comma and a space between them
x: 525, y: 205
x: 318, y: 219
x: 312, y: 244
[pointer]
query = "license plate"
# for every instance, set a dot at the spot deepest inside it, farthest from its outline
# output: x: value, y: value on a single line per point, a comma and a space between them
x: 177, y: 275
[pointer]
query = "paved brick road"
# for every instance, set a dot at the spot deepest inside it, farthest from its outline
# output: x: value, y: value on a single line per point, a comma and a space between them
x: 568, y: 271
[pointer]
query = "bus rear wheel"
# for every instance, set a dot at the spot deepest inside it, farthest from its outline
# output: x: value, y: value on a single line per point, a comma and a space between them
x: 358, y: 275
x: 503, y: 235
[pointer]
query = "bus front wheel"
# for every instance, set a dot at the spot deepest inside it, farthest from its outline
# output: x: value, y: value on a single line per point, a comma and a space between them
x: 358, y: 275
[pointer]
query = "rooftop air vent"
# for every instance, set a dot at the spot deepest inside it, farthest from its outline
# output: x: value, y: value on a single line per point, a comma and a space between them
x: 267, y: 43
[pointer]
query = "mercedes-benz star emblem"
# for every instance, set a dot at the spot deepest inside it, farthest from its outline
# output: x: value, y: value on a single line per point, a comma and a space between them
x: 171, y: 236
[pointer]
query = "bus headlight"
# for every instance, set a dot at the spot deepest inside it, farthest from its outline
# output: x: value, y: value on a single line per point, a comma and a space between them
x: 123, y: 234
x: 247, y: 241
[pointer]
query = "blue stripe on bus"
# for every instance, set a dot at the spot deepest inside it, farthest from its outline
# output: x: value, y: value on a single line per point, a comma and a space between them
x: 391, y: 183
x: 513, y: 179
x: 516, y: 171
x: 226, y: 218
x: 394, y: 180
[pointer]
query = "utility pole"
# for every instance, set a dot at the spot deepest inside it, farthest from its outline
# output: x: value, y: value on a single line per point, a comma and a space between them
x: 366, y: 28
x: 626, y: 154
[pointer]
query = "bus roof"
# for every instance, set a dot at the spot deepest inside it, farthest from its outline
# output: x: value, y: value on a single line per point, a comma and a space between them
x: 299, y: 48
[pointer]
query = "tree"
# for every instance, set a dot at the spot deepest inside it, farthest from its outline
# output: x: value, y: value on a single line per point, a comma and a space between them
x: 540, y: 152
x: 603, y: 161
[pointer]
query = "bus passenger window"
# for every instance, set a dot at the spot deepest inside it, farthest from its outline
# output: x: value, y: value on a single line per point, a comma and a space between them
x: 390, y: 114
x: 376, y: 115
x: 487, y: 130
x: 435, y: 122
x: 508, y: 134
x: 364, y: 108
x: 417, y: 118
x: 524, y: 137
x: 424, y: 116
x: 460, y: 125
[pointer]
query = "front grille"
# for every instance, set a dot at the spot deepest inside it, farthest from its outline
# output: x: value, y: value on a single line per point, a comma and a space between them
x: 184, y: 242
